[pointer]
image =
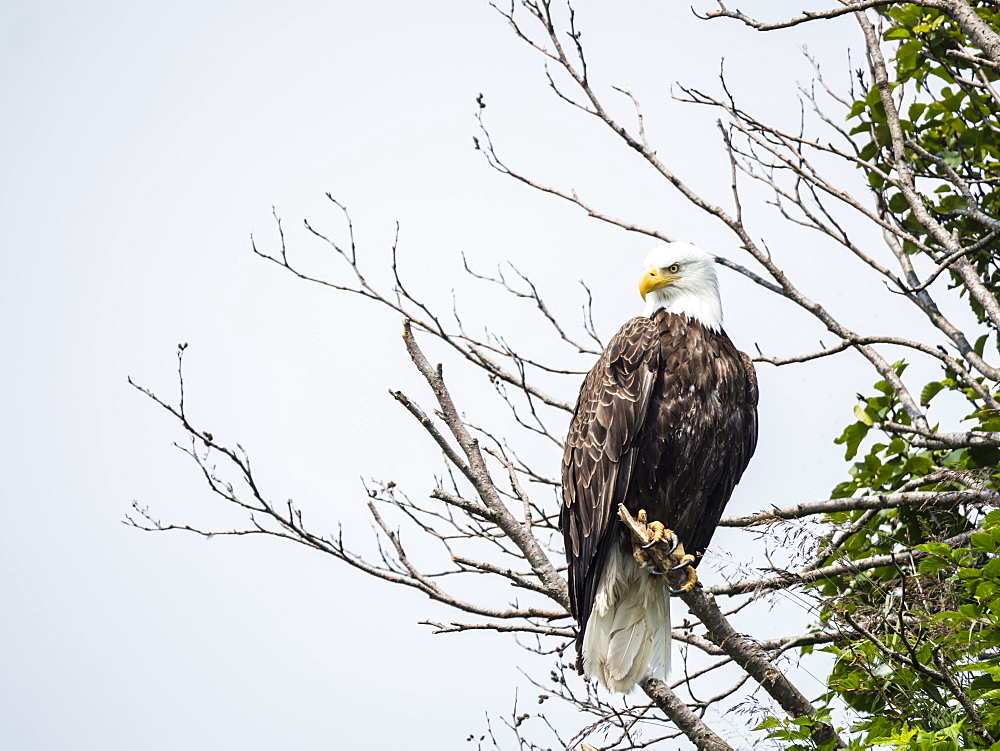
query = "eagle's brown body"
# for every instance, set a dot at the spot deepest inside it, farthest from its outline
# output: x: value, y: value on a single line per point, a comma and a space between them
x: 666, y: 421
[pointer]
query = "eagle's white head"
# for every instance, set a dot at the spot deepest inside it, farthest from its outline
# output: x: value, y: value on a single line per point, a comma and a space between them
x: 680, y: 278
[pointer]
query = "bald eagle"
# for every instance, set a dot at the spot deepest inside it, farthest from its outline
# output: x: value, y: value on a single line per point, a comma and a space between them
x: 664, y: 426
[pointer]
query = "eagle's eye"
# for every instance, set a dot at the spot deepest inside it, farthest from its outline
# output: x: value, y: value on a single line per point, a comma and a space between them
x: 674, y: 268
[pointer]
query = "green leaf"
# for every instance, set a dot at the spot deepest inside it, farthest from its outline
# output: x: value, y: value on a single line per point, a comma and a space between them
x: 931, y: 564
x: 936, y: 548
x: 929, y: 391
x: 898, y: 203
x: 862, y: 414
x: 981, y: 344
x: 988, y: 542
x: 951, y: 158
x: 991, y: 520
x: 991, y: 570
x: 856, y: 109
x: 852, y: 437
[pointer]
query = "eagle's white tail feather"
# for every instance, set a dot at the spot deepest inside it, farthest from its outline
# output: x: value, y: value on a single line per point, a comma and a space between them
x: 626, y: 640
x: 628, y: 634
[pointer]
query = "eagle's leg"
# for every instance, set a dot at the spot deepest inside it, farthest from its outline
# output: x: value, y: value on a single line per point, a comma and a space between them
x: 658, y: 550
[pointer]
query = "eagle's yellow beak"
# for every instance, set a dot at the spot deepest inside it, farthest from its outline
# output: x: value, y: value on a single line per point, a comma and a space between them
x: 653, y: 279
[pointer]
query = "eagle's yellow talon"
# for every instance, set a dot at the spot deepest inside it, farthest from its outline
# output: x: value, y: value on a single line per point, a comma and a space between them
x: 657, y: 532
x: 685, y: 560
x: 691, y: 578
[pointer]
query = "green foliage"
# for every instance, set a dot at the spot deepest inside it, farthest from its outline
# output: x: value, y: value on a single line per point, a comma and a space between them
x: 938, y: 631
x: 798, y: 732
x: 935, y: 603
x: 932, y: 614
x: 948, y: 624
x: 949, y: 114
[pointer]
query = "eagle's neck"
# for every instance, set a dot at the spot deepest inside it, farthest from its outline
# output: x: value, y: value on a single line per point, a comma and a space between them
x: 698, y: 300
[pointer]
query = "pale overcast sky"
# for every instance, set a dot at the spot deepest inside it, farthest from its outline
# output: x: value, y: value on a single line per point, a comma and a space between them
x: 143, y: 143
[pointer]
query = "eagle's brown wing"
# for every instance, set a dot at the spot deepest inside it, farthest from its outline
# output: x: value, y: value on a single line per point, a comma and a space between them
x: 597, y: 463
